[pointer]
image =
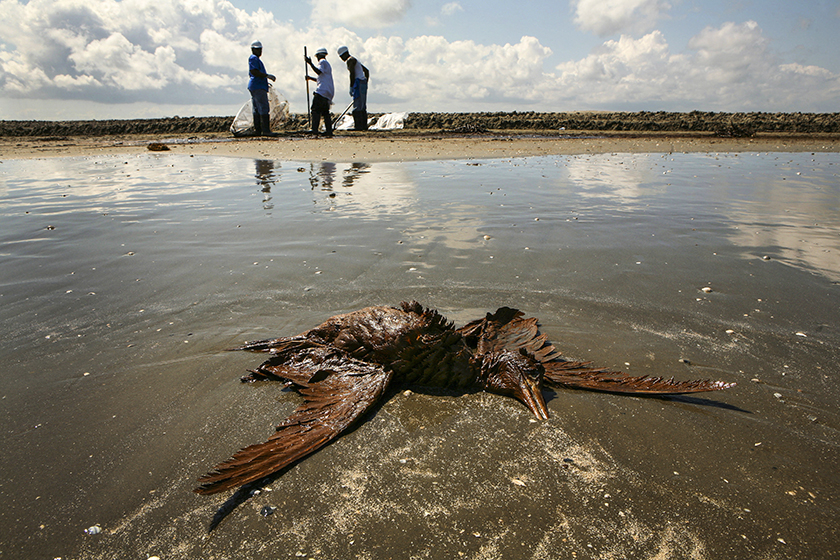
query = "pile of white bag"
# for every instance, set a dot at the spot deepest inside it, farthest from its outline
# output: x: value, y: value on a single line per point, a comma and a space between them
x: 388, y: 121
x: 278, y: 113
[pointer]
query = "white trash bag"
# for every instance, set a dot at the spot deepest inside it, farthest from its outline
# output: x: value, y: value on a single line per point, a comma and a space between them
x: 278, y: 113
x: 390, y: 121
x: 346, y: 123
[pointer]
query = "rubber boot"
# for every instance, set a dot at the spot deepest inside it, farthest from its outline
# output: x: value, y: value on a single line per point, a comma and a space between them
x: 257, y: 124
x: 328, y: 131
x: 266, y: 127
x: 360, y: 120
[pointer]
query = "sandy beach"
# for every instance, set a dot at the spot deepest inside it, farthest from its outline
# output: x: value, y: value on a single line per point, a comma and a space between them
x: 411, y: 145
x: 431, y: 136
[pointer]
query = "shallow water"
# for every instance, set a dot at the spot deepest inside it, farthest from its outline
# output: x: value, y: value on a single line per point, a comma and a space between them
x: 123, y: 279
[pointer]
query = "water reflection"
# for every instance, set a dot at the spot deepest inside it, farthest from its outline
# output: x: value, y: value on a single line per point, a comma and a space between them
x: 266, y: 178
x: 623, y: 178
x: 265, y: 174
x: 367, y: 190
x: 322, y: 175
x: 390, y: 190
x: 354, y: 173
x: 114, y: 185
x: 781, y: 205
x: 792, y: 213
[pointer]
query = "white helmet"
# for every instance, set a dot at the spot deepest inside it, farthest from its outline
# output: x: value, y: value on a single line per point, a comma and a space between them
x: 322, y: 51
x: 256, y: 45
x: 342, y: 50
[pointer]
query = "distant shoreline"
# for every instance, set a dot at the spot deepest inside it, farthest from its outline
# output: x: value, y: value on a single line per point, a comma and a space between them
x: 721, y: 124
x: 433, y: 136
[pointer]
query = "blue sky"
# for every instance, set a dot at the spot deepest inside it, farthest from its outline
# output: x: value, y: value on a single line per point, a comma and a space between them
x: 76, y: 59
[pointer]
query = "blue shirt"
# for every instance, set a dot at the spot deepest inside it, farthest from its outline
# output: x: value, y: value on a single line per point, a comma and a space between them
x: 254, y: 63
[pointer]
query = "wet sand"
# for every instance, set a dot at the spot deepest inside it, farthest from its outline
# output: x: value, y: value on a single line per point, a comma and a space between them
x: 122, y: 395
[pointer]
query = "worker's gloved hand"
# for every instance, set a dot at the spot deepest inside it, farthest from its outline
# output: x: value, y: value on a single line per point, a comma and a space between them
x: 270, y: 77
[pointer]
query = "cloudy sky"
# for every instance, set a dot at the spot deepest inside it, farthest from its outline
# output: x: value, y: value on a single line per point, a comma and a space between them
x: 77, y: 59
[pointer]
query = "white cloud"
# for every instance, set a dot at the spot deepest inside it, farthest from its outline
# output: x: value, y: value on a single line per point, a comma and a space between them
x: 625, y: 71
x: 432, y: 71
x: 174, y: 51
x: 608, y: 17
x: 806, y: 72
x: 360, y: 13
x: 447, y: 10
x: 122, y: 64
x: 121, y: 51
x: 728, y: 68
x: 70, y: 83
x: 142, y: 54
x: 451, y: 8
x: 730, y: 53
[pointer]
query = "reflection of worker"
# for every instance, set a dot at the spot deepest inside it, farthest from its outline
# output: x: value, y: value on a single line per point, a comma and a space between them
x: 258, y: 86
x: 323, y: 177
x: 265, y: 174
x: 324, y: 91
x: 265, y: 178
x: 354, y: 173
x: 358, y: 87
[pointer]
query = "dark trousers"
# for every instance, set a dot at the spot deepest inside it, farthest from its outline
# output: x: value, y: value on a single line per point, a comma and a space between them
x: 259, y: 101
x: 321, y: 108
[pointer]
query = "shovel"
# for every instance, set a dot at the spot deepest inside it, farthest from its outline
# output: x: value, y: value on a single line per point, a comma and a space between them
x: 338, y: 120
x: 308, y: 107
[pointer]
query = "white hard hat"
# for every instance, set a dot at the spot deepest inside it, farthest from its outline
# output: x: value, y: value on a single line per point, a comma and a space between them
x: 322, y: 51
x: 342, y: 50
x: 256, y: 45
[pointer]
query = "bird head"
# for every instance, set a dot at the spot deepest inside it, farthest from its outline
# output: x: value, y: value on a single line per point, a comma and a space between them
x: 515, y: 374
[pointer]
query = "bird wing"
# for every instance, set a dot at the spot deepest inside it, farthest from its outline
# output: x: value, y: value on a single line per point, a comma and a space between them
x: 581, y: 375
x: 337, y: 391
x: 272, y: 344
x: 509, y: 329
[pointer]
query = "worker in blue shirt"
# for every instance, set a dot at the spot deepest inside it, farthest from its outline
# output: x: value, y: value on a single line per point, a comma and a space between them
x: 258, y: 86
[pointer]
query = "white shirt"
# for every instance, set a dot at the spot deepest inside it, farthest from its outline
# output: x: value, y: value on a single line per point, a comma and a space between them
x: 360, y: 71
x: 325, y: 87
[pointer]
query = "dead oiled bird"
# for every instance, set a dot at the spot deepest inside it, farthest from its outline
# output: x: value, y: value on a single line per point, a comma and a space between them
x: 345, y: 366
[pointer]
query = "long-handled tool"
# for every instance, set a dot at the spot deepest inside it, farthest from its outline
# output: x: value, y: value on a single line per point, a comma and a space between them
x: 338, y: 120
x: 306, y: 67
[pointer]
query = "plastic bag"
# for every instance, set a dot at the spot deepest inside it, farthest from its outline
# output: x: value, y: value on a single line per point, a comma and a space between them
x: 278, y: 113
x: 390, y: 121
x: 346, y: 123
